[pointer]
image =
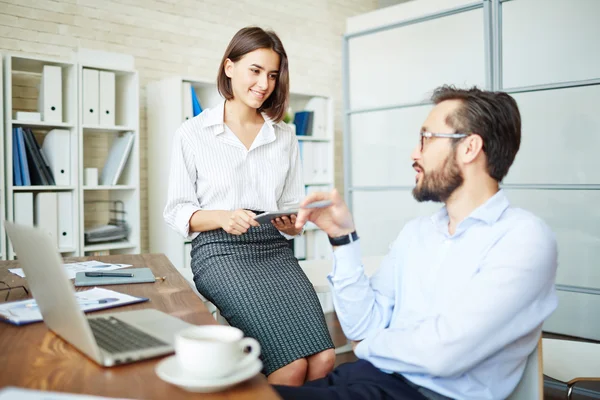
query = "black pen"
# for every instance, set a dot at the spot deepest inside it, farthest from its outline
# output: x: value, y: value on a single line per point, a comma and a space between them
x: 109, y: 274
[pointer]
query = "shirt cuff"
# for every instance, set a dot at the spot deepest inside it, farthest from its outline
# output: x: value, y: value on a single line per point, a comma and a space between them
x: 346, y: 262
x: 183, y: 220
x: 362, y: 349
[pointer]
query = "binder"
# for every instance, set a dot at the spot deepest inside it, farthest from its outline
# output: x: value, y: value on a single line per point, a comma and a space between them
x: 188, y: 110
x: 23, y: 208
x: 23, y: 158
x: 46, y: 216
x: 196, y: 107
x: 56, y: 150
x: 17, y: 175
x: 37, y: 168
x: 318, y: 105
x: 308, y: 161
x: 40, y: 156
x: 117, y: 158
x: 107, y: 98
x: 50, y: 94
x: 90, y: 96
x: 300, y: 247
x: 66, y: 234
x: 303, y: 121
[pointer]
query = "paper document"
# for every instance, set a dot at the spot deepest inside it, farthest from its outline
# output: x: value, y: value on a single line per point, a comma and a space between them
x: 27, y: 311
x: 13, y: 393
x: 85, y: 266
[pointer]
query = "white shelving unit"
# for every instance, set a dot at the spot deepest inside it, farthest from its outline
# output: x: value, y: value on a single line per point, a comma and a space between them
x: 97, y: 201
x: 2, y: 180
x: 22, y: 75
x: 165, y: 114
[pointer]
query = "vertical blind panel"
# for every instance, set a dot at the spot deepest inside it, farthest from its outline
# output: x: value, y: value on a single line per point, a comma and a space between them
x: 560, y: 130
x: 573, y: 216
x: 403, y: 65
x: 545, y: 42
x: 380, y: 216
x: 382, y: 143
x: 576, y: 315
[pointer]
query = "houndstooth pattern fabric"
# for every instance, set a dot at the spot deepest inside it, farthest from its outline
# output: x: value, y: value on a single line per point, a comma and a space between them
x: 256, y: 282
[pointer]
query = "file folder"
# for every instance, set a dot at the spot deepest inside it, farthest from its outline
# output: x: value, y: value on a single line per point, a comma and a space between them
x: 23, y: 208
x: 65, y: 231
x: 107, y: 98
x: 188, y: 109
x: 46, y: 216
x: 50, y: 94
x: 117, y: 158
x: 57, y: 151
x: 90, y: 96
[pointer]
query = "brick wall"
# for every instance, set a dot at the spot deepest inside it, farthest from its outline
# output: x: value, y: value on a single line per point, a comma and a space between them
x: 183, y: 37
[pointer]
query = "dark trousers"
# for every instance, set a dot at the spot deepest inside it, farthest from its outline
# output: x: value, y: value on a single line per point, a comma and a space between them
x: 354, y: 381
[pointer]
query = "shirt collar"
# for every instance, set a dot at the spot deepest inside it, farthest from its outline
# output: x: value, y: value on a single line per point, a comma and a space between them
x: 489, y: 212
x: 215, y: 116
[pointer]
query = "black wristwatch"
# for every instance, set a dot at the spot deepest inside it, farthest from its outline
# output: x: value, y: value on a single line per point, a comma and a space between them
x: 342, y: 240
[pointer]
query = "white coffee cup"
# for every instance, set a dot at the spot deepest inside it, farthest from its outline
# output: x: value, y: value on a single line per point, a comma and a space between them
x: 213, y: 351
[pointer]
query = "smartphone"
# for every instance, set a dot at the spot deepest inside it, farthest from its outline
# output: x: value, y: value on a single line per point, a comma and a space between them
x: 271, y: 215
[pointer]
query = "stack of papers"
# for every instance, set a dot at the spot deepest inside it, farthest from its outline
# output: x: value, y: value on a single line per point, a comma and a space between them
x: 26, y: 311
x: 85, y: 266
x: 11, y: 393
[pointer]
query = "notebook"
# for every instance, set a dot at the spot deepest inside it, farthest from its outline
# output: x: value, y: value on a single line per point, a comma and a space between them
x: 140, y: 275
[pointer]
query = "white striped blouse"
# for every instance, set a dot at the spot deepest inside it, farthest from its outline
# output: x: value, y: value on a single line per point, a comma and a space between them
x: 212, y: 170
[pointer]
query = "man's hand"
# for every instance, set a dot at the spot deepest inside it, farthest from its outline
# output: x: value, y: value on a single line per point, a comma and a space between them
x: 238, y: 222
x: 334, y: 220
x: 287, y: 225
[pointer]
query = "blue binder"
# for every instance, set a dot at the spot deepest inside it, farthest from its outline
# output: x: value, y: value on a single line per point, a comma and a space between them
x: 17, y: 179
x: 196, y: 108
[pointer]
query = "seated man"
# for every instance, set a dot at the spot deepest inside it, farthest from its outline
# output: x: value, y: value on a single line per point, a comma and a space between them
x: 458, y: 303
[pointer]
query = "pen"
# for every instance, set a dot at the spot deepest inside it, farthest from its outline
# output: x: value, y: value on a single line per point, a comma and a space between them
x: 109, y: 274
x: 81, y: 302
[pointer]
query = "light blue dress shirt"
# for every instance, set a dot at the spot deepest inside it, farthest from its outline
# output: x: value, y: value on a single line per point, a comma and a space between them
x: 457, y: 314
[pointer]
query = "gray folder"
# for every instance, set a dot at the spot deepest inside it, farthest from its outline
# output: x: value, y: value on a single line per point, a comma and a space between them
x: 140, y: 275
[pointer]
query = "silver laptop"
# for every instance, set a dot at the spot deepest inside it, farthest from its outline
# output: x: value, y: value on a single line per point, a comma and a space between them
x: 109, y: 339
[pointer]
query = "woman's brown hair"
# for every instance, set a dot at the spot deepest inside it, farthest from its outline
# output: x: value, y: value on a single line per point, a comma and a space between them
x: 245, y: 41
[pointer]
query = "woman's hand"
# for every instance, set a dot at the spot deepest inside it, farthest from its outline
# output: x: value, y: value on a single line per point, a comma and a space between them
x: 287, y: 225
x: 335, y: 220
x: 238, y: 222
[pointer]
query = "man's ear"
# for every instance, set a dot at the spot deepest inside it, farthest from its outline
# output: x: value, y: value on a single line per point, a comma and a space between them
x: 228, y: 67
x: 472, y: 147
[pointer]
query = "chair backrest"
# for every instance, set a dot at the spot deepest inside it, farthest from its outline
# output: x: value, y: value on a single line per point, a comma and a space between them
x: 531, y: 386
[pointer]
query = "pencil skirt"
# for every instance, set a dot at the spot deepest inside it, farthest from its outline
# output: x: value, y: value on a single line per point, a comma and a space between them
x: 259, y: 287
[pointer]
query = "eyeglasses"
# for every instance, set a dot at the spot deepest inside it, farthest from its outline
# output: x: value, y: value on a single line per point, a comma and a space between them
x: 441, y: 135
x: 8, y: 288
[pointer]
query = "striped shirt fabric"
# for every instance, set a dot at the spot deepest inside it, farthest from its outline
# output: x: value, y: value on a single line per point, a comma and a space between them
x: 212, y: 170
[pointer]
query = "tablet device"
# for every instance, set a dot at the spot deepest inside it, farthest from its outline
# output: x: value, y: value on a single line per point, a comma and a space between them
x: 270, y: 215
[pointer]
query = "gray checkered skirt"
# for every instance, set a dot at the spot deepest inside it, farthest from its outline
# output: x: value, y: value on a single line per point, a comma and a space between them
x: 256, y: 282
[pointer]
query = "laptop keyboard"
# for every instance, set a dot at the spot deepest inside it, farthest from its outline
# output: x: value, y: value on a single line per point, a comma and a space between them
x: 116, y: 336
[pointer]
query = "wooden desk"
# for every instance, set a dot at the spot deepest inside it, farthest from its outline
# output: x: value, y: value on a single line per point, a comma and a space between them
x: 33, y: 357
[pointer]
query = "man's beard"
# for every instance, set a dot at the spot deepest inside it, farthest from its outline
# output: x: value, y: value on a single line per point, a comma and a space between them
x: 439, y: 185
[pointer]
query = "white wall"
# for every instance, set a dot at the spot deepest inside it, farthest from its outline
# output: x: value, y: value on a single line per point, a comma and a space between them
x: 182, y: 37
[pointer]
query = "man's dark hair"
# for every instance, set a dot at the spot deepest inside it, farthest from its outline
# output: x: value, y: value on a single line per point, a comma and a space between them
x: 492, y: 115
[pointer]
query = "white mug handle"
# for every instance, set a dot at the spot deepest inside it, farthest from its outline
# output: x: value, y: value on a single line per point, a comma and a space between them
x: 252, y: 355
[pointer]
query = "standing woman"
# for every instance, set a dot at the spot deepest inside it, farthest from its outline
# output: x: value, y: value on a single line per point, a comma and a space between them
x: 228, y: 163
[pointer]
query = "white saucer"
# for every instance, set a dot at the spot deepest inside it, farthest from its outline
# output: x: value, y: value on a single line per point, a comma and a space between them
x: 170, y: 371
